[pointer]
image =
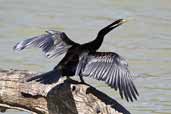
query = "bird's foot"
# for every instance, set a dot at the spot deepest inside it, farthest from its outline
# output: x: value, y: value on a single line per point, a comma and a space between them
x: 68, y: 79
x: 82, y: 80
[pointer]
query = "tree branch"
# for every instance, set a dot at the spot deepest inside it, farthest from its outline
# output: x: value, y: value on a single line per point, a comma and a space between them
x: 64, y: 97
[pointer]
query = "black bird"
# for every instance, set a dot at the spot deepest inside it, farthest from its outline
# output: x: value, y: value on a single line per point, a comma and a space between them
x: 84, y: 60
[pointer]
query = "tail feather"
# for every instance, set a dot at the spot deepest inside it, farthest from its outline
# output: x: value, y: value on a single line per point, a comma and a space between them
x: 47, y: 78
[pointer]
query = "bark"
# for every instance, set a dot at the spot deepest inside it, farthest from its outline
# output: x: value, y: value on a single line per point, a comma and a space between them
x: 64, y: 97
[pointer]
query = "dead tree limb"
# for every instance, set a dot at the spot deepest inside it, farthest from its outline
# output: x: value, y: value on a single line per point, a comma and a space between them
x: 64, y: 97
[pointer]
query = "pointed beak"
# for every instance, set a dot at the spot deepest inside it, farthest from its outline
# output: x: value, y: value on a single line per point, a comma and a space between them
x: 118, y: 23
x: 123, y: 21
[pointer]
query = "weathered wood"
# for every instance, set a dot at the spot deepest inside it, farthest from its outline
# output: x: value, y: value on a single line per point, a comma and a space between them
x: 64, y: 97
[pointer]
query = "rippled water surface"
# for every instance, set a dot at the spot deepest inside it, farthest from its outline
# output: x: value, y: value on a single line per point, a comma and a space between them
x: 145, y: 41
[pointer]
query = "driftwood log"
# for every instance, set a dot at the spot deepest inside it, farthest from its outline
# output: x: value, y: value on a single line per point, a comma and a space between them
x: 64, y: 97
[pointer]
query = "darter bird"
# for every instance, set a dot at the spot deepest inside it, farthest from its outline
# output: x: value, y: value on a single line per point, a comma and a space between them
x: 84, y: 60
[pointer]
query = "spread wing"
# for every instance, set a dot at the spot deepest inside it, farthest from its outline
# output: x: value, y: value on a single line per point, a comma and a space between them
x: 111, y: 68
x: 53, y: 43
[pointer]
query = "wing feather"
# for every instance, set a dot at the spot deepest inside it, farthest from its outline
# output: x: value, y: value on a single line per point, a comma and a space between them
x: 54, y: 43
x: 111, y: 68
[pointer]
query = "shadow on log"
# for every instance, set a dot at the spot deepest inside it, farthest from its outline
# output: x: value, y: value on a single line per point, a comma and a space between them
x: 64, y: 97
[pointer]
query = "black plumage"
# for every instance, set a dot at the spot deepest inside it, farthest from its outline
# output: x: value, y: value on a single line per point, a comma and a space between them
x: 84, y: 60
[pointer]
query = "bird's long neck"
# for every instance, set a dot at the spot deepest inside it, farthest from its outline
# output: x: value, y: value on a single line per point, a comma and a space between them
x: 96, y: 43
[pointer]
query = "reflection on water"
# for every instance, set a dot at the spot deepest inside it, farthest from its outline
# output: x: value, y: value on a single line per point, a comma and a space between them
x: 144, y: 40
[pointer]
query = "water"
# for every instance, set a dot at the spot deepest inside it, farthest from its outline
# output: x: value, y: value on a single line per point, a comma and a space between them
x: 144, y: 41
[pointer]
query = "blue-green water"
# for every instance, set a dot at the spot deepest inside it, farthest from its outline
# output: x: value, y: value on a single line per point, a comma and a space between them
x: 145, y: 41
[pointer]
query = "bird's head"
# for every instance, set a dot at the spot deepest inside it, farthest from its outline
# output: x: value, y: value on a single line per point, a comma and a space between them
x: 111, y: 26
